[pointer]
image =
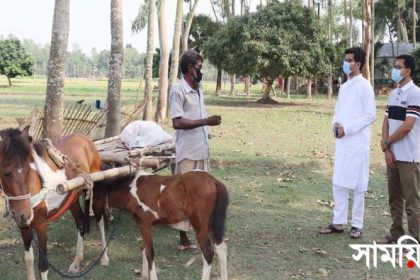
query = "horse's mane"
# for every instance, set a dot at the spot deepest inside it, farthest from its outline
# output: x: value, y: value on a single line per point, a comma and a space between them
x: 13, y: 145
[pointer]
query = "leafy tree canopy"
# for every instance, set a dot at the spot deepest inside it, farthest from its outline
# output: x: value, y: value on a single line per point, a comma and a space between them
x: 279, y: 39
x: 14, y: 61
x: 201, y: 31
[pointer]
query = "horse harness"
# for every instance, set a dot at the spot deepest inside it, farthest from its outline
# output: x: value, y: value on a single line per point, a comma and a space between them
x: 61, y: 161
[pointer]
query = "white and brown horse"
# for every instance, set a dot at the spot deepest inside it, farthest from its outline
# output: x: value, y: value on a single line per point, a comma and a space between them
x: 28, y: 176
x: 151, y: 199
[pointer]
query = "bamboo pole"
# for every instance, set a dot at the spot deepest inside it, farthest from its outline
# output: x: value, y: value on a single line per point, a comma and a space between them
x: 79, y: 181
x: 107, y: 140
x: 155, y: 149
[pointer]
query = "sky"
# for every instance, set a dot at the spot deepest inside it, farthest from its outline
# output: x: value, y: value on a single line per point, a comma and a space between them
x: 89, y: 22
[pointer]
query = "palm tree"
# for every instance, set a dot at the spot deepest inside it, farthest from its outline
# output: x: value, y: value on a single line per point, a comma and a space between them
x: 367, y: 41
x: 113, y: 116
x: 414, y: 23
x: 53, y: 121
x: 330, y: 18
x: 175, y: 44
x: 351, y: 24
x: 163, y: 66
x: 148, y: 91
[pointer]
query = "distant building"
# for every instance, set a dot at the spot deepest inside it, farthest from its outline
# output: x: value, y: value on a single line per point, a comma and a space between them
x: 385, y: 60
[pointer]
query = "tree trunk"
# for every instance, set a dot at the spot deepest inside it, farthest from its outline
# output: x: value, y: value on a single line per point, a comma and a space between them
x: 368, y: 38
x: 316, y: 86
x: 163, y: 66
x: 219, y: 82
x: 232, y: 84
x: 186, y: 34
x: 398, y: 27
x: 414, y: 24
x: 351, y: 24
x: 309, y: 88
x: 175, y: 44
x: 297, y: 84
x: 148, y: 91
x: 266, y: 99
x: 345, y: 21
x: 330, y: 18
x: 248, y: 85
x: 289, y: 81
x: 372, y: 45
x: 113, y: 116
x: 9, y: 80
x: 53, y: 118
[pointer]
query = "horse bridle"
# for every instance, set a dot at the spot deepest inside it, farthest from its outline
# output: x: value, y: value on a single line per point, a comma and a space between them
x: 9, y: 198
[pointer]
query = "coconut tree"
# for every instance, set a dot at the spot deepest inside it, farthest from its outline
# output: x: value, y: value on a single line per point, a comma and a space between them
x: 367, y: 40
x: 148, y: 91
x: 414, y: 15
x: 163, y: 65
x: 53, y: 122
x: 113, y: 116
x: 176, y: 43
x: 330, y: 18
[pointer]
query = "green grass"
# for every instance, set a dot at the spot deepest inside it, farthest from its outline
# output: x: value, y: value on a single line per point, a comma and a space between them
x: 276, y: 162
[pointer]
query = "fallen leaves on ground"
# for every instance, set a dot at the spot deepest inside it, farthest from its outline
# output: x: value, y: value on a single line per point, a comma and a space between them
x: 326, y: 203
x: 320, y: 252
x: 190, y: 262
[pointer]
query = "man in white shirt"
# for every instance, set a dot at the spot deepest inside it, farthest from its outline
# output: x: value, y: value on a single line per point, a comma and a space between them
x: 401, y: 146
x: 189, y: 118
x: 355, y: 111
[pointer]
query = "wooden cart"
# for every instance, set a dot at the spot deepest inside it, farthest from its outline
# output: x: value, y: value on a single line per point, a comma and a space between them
x: 121, y: 161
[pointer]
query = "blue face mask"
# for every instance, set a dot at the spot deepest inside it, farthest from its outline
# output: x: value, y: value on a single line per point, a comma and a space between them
x: 396, y: 75
x: 346, y: 68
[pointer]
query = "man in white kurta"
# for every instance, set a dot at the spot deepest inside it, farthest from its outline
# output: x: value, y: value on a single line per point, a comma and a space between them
x: 354, y: 113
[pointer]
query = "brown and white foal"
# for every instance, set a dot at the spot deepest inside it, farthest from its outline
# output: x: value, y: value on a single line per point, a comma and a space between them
x: 168, y: 200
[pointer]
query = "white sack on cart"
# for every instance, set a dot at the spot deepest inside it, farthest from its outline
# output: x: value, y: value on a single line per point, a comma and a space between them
x: 139, y: 134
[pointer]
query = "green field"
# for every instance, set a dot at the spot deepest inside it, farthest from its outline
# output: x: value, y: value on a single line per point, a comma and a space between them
x: 276, y: 162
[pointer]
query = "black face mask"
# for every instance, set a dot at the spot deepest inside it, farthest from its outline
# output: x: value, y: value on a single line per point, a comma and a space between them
x: 198, y: 76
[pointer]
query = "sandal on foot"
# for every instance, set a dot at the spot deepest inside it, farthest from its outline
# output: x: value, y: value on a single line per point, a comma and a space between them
x: 331, y: 228
x: 356, y: 233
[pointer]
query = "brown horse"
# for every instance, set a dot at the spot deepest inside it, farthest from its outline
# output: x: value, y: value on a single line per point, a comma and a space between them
x: 28, y: 176
x: 151, y: 199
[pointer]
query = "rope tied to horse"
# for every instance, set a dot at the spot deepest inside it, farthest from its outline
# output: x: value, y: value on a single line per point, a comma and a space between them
x: 8, y: 198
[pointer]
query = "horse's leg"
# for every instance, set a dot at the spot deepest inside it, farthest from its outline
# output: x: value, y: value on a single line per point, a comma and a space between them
x: 29, y: 253
x: 200, y: 225
x: 145, y: 266
x: 104, y: 258
x: 184, y: 241
x: 41, y: 232
x: 221, y: 252
x: 77, y: 213
x: 147, y: 251
x: 202, y: 233
x: 99, y: 208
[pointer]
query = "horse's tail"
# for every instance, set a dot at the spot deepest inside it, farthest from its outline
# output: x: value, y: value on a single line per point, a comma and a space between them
x: 218, y: 217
